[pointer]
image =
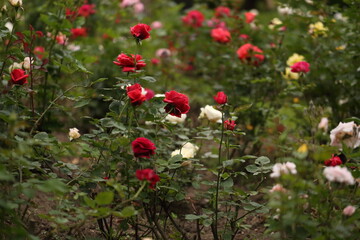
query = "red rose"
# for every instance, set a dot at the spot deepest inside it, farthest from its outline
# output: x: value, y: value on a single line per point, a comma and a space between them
x: 130, y: 63
x: 220, y: 98
x: 193, y: 18
x: 303, y: 67
x: 177, y: 103
x: 222, y: 12
x: 244, y: 37
x: 78, y: 32
x: 249, y: 17
x: 155, y: 61
x: 149, y: 94
x: 333, y: 161
x: 221, y: 35
x: 143, y: 147
x: 38, y: 51
x: 136, y: 94
x: 250, y: 54
x: 140, y: 31
x: 86, y: 10
x: 149, y: 175
x: 229, y: 124
x: 18, y: 77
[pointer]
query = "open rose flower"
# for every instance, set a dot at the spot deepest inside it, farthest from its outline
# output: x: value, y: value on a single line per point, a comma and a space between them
x: 130, y: 63
x: 250, y: 54
x: 177, y: 103
x: 221, y: 35
x: 211, y: 114
x: 86, y: 10
x: 249, y: 17
x: 349, y: 210
x: 18, y: 77
x: 283, y: 168
x: 143, y: 147
x: 347, y: 133
x: 222, y: 11
x: 140, y: 31
x: 78, y: 32
x: 220, y: 98
x: 295, y: 58
x: 148, y: 175
x: 74, y: 133
x: 137, y: 94
x: 298, y: 67
x: 189, y: 150
x: 193, y: 18
x: 333, y: 161
x: 175, y: 120
x: 339, y: 174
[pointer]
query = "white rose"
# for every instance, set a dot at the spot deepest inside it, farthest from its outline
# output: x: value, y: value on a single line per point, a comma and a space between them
x: 339, y: 174
x: 283, y: 168
x: 9, y: 26
x: 26, y: 63
x: 16, y: 3
x: 187, y: 151
x: 324, y: 124
x: 347, y: 133
x: 15, y: 65
x: 211, y: 113
x: 176, y: 120
x: 74, y: 133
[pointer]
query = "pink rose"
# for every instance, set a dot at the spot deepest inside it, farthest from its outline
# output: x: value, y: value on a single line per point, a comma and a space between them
x: 303, y: 67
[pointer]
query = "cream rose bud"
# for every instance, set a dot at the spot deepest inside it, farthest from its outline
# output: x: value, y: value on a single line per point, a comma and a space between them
x: 175, y: 120
x: 349, y: 210
x: 324, y: 124
x: 189, y: 150
x: 347, y: 133
x: 211, y: 114
x: 16, y: 3
x: 74, y: 133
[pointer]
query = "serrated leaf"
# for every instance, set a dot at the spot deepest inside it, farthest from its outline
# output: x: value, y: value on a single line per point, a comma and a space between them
x: 104, y: 198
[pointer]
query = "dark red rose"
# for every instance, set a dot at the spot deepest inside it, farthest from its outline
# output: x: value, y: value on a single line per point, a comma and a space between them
x: 229, y: 124
x: 18, y: 77
x: 149, y: 175
x: 136, y: 94
x: 221, y: 35
x: 78, y: 32
x: 130, y: 63
x: 222, y: 12
x: 86, y: 10
x: 140, y: 31
x: 250, y: 54
x: 143, y: 147
x: 220, y: 98
x: 177, y: 103
x: 249, y: 17
x: 303, y: 67
x: 333, y: 161
x: 193, y: 18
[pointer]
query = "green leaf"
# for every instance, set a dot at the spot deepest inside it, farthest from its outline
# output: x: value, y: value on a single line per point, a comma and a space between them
x: 252, y: 168
x: 262, y: 160
x: 192, y: 217
x: 82, y: 103
x: 149, y: 79
x: 128, y: 212
x: 97, y: 81
x: 104, y: 198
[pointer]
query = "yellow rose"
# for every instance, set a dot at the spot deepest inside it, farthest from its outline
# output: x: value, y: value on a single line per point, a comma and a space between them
x: 294, y: 59
x: 288, y: 75
x: 318, y: 29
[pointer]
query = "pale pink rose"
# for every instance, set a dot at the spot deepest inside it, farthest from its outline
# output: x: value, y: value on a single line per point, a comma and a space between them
x: 283, y: 168
x: 339, y: 174
x: 347, y: 133
x: 126, y: 3
x: 139, y: 7
x: 163, y: 53
x: 156, y: 25
x: 278, y: 188
x: 324, y: 124
x: 349, y: 210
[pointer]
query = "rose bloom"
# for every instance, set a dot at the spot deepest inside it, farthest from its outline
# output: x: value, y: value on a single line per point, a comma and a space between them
x: 230, y: 124
x: 155, y: 61
x: 349, y: 210
x: 78, y: 32
x: 339, y: 174
x: 74, y: 133
x: 149, y: 94
x: 137, y: 94
x: 15, y: 3
x: 244, y: 37
x: 283, y: 168
x: 347, y: 133
x: 249, y: 17
x: 18, y: 77
x: 324, y: 124
x: 130, y: 63
x: 27, y: 63
x: 274, y: 22
x: 143, y: 147
x: 139, y: 7
x: 289, y: 75
x: 140, y: 31
x: 194, y: 18
x: 250, y: 54
x: 278, y: 188
x: 61, y: 39
x: 318, y: 29
x: 15, y: 65
x: 220, y: 98
x: 222, y: 11
x: 211, y: 114
x: 126, y: 3
x: 177, y: 103
x: 294, y: 59
x: 189, y: 150
x: 163, y: 53
x: 38, y: 51
x: 149, y: 175
x: 156, y: 25
x: 221, y: 35
x: 86, y: 10
x: 333, y: 161
x: 175, y: 120
x: 303, y: 67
